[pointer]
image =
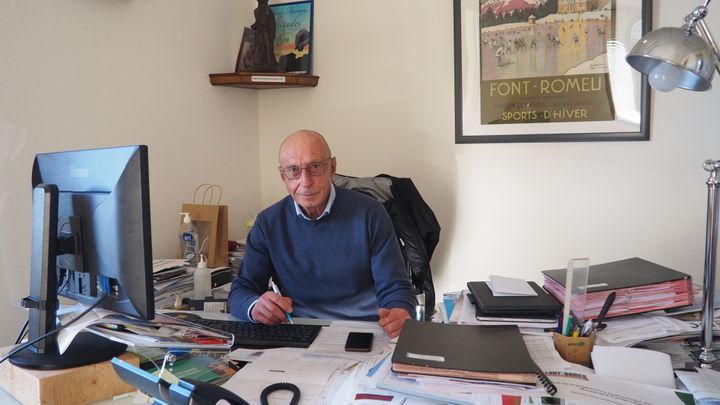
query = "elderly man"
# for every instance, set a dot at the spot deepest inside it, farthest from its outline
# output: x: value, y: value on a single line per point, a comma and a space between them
x: 333, y: 252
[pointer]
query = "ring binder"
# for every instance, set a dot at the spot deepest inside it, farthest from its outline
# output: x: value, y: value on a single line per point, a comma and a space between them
x: 545, y: 380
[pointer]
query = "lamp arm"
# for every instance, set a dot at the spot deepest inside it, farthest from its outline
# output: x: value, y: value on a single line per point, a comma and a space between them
x: 703, y: 31
x: 695, y: 24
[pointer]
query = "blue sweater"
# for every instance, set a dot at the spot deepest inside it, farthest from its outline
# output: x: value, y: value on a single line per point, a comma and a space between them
x: 345, y: 265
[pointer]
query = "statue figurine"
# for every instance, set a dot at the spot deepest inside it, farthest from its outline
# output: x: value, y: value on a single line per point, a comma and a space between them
x: 264, y: 43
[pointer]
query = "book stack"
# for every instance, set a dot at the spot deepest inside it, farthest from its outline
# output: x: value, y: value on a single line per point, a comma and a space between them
x: 640, y: 286
x: 489, y: 353
x: 538, y: 311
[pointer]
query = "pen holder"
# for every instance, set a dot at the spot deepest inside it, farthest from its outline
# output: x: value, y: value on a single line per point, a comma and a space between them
x: 574, y: 349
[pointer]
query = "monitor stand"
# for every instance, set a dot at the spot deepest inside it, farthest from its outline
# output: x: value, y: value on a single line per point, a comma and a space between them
x: 86, y: 348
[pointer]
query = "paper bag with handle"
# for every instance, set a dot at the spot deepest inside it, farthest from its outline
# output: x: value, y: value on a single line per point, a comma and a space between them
x: 211, y: 221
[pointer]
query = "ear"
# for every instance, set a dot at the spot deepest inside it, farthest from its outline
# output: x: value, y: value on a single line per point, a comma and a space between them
x: 333, y: 165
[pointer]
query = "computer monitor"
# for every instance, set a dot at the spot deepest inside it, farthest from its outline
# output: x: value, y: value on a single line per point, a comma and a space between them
x: 90, y: 237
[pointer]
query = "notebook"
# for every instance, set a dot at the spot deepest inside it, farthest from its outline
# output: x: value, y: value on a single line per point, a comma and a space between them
x: 542, y: 303
x: 541, y: 321
x: 489, y: 353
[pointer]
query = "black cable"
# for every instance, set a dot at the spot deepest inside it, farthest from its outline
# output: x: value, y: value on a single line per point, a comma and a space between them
x: 21, y: 335
x: 279, y: 387
x: 52, y: 332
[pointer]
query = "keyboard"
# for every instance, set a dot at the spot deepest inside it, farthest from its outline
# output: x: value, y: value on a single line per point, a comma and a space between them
x: 248, y: 334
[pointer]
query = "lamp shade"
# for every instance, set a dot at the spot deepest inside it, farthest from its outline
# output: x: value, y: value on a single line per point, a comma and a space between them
x: 673, y: 54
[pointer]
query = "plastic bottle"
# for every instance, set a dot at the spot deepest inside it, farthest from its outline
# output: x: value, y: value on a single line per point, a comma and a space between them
x: 202, y: 280
x: 188, y: 240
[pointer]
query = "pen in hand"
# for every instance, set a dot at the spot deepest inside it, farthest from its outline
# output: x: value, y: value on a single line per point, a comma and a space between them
x: 277, y: 291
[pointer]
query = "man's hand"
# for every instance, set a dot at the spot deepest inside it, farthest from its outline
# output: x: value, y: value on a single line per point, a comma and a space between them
x: 270, y: 308
x: 392, y: 320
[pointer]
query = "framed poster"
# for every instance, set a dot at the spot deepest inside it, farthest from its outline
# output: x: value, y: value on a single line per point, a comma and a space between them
x: 293, y: 36
x: 549, y: 71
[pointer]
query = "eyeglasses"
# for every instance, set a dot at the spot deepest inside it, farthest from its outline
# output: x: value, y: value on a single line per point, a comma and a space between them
x: 313, y: 169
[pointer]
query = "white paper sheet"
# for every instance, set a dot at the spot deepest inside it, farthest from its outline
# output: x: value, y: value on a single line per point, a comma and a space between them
x: 632, y: 364
x: 589, y: 389
x: 331, y: 340
x: 466, y: 312
x: 510, y: 287
x: 542, y: 351
x: 310, y: 373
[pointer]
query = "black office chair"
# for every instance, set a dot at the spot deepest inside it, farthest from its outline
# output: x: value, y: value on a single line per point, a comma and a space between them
x: 417, y: 229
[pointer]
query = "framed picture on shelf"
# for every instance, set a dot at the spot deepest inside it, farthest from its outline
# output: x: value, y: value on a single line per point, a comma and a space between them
x: 551, y: 72
x: 246, y: 53
x: 293, y: 36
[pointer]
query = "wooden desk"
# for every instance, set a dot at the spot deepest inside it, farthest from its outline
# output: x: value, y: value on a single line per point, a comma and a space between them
x: 79, y: 385
x: 95, y: 383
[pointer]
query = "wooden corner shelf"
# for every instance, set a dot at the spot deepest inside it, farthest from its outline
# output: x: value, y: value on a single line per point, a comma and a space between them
x: 262, y: 80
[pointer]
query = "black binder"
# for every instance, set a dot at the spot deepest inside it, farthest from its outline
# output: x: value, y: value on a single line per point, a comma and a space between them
x: 542, y: 303
x: 620, y: 274
x: 490, y: 353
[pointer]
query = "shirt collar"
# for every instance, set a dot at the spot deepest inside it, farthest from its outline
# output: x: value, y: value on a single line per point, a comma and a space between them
x: 331, y: 200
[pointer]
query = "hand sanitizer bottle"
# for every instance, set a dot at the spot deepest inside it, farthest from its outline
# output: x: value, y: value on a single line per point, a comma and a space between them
x: 202, y: 280
x: 188, y: 240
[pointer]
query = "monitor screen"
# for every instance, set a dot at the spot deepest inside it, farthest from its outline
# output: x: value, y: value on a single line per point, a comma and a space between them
x: 90, y: 240
x: 103, y: 198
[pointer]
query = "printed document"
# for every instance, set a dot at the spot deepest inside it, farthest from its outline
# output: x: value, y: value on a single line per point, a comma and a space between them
x: 309, y: 372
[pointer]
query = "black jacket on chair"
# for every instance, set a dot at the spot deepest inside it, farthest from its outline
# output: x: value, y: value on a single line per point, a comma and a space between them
x: 417, y: 229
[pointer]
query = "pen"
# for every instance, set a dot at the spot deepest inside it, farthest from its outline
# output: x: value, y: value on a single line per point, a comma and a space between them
x: 277, y: 291
x: 587, y: 328
x: 605, y: 308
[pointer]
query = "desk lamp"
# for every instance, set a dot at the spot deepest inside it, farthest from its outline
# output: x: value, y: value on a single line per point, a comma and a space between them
x: 687, y: 57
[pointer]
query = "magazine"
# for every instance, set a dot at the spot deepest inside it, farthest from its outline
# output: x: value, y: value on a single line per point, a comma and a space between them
x: 161, y: 332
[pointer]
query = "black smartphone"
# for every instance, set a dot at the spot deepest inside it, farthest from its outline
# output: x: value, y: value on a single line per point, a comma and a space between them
x: 359, y: 342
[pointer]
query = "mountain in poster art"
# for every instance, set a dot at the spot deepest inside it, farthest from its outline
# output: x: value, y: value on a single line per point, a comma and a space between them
x: 502, y: 7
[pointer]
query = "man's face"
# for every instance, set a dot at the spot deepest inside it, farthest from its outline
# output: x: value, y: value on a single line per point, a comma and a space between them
x: 307, y: 155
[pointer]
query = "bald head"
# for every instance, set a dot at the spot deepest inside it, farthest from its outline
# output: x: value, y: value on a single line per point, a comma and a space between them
x: 304, y: 139
x: 307, y: 168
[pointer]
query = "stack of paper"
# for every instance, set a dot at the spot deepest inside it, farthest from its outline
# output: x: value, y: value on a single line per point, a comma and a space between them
x: 640, y: 286
x: 171, y: 279
x: 161, y: 332
x: 630, y: 330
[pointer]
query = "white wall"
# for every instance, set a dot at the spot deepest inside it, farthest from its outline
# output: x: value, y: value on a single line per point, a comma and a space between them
x: 88, y: 73
x: 385, y: 103
x: 78, y: 74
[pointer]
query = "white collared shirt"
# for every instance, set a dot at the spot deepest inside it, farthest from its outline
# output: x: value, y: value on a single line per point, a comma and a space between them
x: 331, y: 200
